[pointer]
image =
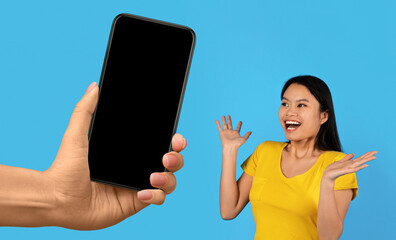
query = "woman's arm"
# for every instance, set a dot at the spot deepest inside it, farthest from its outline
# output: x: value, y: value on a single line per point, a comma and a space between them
x: 234, y: 195
x: 333, y: 205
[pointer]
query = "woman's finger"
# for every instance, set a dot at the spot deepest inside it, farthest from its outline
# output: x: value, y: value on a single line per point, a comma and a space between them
x: 229, y: 125
x: 218, y: 125
x: 361, y: 167
x: 224, y: 122
x: 366, y: 155
x: 238, y: 127
x: 247, y: 135
x: 363, y: 160
x: 347, y: 157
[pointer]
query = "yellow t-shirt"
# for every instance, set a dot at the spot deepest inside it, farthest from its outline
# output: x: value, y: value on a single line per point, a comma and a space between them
x: 286, y: 208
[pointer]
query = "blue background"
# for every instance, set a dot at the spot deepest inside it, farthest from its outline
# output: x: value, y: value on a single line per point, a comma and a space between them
x: 50, y: 51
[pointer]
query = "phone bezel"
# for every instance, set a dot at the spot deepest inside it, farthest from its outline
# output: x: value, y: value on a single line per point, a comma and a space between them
x: 182, y: 91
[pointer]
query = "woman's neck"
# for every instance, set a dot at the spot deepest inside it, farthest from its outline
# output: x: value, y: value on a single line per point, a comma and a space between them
x: 303, y: 149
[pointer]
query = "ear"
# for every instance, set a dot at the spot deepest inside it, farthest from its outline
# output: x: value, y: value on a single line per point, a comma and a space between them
x: 324, y: 116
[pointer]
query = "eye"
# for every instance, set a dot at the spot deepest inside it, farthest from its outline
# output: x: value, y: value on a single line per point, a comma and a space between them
x: 301, y: 105
x: 284, y: 104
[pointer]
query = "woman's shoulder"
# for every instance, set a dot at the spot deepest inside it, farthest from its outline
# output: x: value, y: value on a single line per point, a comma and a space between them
x: 333, y: 156
x: 271, y: 146
x: 266, y: 150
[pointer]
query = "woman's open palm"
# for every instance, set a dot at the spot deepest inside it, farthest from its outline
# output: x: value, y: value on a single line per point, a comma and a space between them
x: 348, y: 165
x: 229, y: 136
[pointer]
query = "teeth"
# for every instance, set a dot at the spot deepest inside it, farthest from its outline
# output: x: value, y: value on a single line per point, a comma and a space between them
x: 293, y: 122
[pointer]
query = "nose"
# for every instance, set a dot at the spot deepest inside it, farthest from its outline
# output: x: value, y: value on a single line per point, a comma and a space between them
x: 291, y: 111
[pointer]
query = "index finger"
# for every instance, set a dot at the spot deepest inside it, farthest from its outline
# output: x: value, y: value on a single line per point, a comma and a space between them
x: 218, y: 126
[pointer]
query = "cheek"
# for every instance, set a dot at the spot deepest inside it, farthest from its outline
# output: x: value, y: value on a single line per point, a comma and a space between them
x: 314, y: 121
x: 280, y: 115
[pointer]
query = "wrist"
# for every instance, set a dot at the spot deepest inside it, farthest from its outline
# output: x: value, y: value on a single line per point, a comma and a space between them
x: 25, y: 199
x: 327, y: 182
x: 230, y: 148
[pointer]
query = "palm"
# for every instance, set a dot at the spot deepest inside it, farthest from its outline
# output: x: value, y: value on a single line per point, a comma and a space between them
x: 112, y: 205
x: 94, y: 205
x: 347, y: 165
x: 229, y: 136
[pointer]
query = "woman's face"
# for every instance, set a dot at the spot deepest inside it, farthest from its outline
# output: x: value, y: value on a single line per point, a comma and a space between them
x: 300, y: 114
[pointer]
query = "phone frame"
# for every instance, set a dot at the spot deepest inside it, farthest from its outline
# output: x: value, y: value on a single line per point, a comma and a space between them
x: 182, y: 91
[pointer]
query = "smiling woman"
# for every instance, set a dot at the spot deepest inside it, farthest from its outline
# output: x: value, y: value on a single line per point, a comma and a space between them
x: 300, y: 189
x: 318, y: 96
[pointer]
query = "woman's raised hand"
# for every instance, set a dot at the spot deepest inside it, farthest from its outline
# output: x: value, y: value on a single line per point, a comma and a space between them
x: 348, y: 165
x: 230, y: 137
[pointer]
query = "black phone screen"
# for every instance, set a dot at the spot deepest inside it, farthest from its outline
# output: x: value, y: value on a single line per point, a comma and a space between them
x: 140, y: 94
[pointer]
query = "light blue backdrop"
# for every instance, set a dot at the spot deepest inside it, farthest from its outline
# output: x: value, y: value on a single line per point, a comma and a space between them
x: 50, y: 51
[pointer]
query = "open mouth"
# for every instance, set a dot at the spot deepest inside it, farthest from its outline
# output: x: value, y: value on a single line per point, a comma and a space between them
x: 292, y: 125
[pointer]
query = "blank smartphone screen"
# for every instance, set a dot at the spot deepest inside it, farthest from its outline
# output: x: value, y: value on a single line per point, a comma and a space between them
x: 140, y: 95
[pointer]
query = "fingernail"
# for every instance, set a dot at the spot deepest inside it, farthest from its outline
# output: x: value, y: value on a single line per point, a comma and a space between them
x: 158, y: 179
x: 183, y: 140
x: 170, y: 161
x: 91, y: 87
x: 145, y: 195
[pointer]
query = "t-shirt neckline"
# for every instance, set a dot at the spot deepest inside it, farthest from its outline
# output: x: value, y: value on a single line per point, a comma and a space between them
x: 299, y: 175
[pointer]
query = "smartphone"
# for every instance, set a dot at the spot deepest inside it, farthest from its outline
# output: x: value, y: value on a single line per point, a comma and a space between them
x: 141, y: 91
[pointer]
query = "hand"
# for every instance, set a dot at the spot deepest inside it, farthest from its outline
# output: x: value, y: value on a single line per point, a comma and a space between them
x: 347, y: 165
x: 230, y: 137
x: 85, y: 205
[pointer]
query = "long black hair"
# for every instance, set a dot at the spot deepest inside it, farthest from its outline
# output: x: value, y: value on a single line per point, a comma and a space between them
x: 327, y: 138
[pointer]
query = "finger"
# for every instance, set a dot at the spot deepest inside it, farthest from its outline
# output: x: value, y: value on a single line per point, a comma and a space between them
x: 372, y: 153
x: 351, y: 170
x: 361, y: 167
x: 218, y: 125
x: 229, y: 125
x: 81, y: 116
x: 347, y: 157
x: 224, y: 122
x: 179, y: 143
x: 173, y: 161
x: 367, y: 154
x: 238, y: 127
x: 156, y: 196
x: 247, y: 135
x: 361, y: 157
x: 166, y: 181
x: 363, y: 160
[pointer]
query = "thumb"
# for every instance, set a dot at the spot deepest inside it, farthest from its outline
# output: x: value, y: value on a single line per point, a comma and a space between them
x: 81, y: 116
x: 73, y: 150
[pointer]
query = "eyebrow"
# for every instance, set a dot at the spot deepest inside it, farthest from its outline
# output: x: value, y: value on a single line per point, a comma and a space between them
x: 299, y: 100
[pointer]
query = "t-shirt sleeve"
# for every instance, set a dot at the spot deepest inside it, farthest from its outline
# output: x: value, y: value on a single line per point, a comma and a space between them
x: 249, y: 166
x: 347, y: 181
